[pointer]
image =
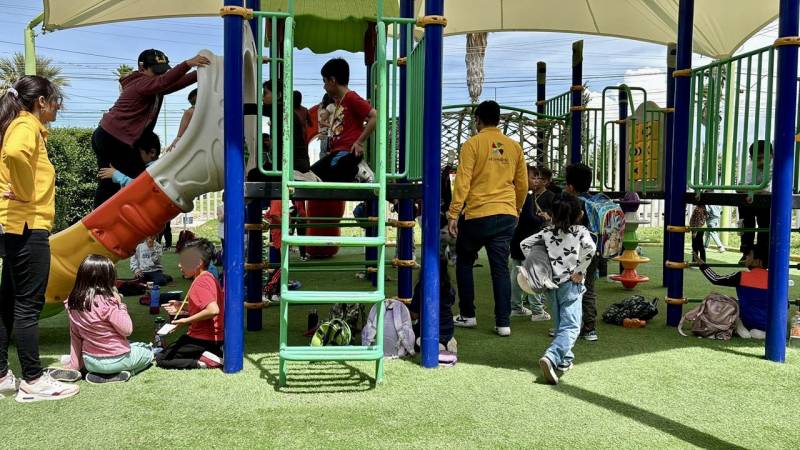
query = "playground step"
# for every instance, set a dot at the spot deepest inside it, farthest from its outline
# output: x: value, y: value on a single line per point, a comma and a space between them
x: 315, y: 297
x: 333, y: 185
x: 330, y: 353
x: 330, y: 241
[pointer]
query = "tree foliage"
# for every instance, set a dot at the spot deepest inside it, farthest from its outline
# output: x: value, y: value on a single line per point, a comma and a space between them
x: 70, y: 151
x: 13, y: 68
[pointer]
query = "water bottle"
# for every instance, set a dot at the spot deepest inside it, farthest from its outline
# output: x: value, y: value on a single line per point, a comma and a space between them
x: 794, y: 331
x: 157, y: 340
x: 155, y: 298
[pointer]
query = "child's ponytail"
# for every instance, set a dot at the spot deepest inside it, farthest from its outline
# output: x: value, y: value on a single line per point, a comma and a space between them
x: 566, y: 212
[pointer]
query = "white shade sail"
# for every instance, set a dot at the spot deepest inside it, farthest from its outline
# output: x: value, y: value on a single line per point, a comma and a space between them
x: 720, y: 26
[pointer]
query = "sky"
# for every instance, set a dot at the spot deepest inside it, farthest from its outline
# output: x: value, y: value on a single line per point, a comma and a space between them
x: 90, y: 55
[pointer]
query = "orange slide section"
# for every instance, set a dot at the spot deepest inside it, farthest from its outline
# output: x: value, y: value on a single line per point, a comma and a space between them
x: 114, y: 230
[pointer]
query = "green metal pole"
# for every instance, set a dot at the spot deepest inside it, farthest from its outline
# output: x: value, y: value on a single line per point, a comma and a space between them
x: 30, y: 45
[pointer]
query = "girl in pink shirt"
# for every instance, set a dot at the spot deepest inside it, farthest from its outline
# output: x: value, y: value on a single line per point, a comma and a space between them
x: 99, y: 326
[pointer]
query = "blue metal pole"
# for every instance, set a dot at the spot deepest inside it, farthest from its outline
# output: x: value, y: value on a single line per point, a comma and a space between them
x: 234, y: 191
x: 577, y: 97
x: 680, y: 150
x: 781, y: 212
x: 623, y: 137
x: 431, y: 185
x: 405, y: 236
x: 255, y: 244
x: 669, y: 126
x: 541, y: 96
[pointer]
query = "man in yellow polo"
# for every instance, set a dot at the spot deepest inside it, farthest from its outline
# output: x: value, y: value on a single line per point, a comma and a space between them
x: 490, y: 189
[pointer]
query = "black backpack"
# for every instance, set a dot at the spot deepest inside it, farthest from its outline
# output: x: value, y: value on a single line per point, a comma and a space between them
x: 635, y: 307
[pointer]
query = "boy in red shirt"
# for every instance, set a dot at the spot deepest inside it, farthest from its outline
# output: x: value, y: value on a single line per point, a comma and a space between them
x: 351, y: 123
x: 201, y: 346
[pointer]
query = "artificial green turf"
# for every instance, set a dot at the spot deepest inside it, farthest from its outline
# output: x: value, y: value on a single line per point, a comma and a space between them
x: 633, y: 388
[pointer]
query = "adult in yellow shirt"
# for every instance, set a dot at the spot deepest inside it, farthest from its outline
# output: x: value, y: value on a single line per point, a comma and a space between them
x: 27, y: 207
x: 490, y: 188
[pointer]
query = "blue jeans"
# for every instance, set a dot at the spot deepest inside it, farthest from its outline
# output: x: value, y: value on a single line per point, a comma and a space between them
x: 519, y: 298
x: 566, y: 312
x: 494, y: 233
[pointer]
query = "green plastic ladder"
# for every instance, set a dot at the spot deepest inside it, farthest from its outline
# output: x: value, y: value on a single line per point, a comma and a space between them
x: 378, y: 188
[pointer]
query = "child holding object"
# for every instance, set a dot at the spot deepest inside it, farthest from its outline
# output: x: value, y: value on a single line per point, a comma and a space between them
x: 146, y: 262
x: 99, y: 326
x: 149, y: 147
x: 570, y: 249
x: 201, y: 346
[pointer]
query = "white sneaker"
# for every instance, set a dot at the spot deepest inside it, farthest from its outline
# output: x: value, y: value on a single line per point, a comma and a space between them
x: 521, y: 312
x: 452, y: 345
x: 741, y: 330
x: 722, y: 250
x: 45, y: 388
x: 465, y: 322
x: 503, y: 331
x: 365, y: 173
x: 541, y: 317
x: 9, y: 385
x: 755, y: 333
x: 306, y: 176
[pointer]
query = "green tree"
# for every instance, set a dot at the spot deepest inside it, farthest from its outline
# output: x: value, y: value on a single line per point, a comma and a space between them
x: 123, y: 71
x: 13, y: 68
x: 70, y: 151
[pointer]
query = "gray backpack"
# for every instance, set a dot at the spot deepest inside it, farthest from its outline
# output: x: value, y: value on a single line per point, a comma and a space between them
x: 398, y: 335
x: 714, y: 318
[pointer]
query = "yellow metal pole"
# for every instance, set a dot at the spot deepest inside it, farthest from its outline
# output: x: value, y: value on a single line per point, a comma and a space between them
x: 732, y: 78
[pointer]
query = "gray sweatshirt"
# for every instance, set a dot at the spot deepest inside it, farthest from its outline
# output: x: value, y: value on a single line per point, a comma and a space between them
x: 147, y: 259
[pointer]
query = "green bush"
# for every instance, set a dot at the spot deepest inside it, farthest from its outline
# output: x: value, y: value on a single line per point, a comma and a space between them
x: 70, y: 151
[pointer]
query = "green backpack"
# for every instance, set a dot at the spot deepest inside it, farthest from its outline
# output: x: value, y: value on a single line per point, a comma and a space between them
x: 333, y: 332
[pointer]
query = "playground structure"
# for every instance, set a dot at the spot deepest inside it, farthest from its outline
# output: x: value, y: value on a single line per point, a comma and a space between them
x: 557, y: 128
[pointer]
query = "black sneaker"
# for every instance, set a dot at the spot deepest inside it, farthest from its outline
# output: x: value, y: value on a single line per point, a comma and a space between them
x: 63, y: 375
x: 564, y: 367
x: 548, y: 370
x: 101, y: 378
x: 590, y: 336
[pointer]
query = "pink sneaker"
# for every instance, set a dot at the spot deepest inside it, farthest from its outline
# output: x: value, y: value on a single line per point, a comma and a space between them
x: 45, y: 388
x: 209, y: 360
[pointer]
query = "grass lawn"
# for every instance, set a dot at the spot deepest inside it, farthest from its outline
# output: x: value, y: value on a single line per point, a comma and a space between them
x: 633, y: 388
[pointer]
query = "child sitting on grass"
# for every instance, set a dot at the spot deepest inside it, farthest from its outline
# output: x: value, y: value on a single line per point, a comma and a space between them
x: 146, y: 262
x: 570, y: 249
x: 149, y: 146
x: 201, y: 346
x: 99, y: 326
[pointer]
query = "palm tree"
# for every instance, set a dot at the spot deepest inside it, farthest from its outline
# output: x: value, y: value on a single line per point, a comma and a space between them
x: 13, y: 68
x: 123, y: 71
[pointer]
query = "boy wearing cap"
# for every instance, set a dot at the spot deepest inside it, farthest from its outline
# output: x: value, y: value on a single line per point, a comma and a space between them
x: 135, y: 113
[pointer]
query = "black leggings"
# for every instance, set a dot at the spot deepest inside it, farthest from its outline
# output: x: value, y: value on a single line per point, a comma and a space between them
x: 110, y: 151
x: 26, y: 268
x: 166, y: 234
x: 185, y: 353
x: 698, y: 246
x: 344, y: 170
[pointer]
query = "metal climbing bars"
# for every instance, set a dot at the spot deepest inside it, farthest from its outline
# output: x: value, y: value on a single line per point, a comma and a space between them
x: 731, y: 107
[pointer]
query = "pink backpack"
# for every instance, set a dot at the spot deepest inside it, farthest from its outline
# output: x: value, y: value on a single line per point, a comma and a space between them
x: 714, y: 318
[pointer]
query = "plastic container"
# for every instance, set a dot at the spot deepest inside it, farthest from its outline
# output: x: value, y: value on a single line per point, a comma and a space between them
x: 155, y: 298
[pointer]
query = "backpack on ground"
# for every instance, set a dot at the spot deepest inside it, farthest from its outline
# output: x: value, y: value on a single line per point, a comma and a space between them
x: 333, y: 332
x: 606, y: 222
x: 398, y: 334
x: 353, y: 313
x: 715, y: 318
x: 634, y: 307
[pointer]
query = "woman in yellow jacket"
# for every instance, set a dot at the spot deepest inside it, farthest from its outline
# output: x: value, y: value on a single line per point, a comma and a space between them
x: 27, y: 207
